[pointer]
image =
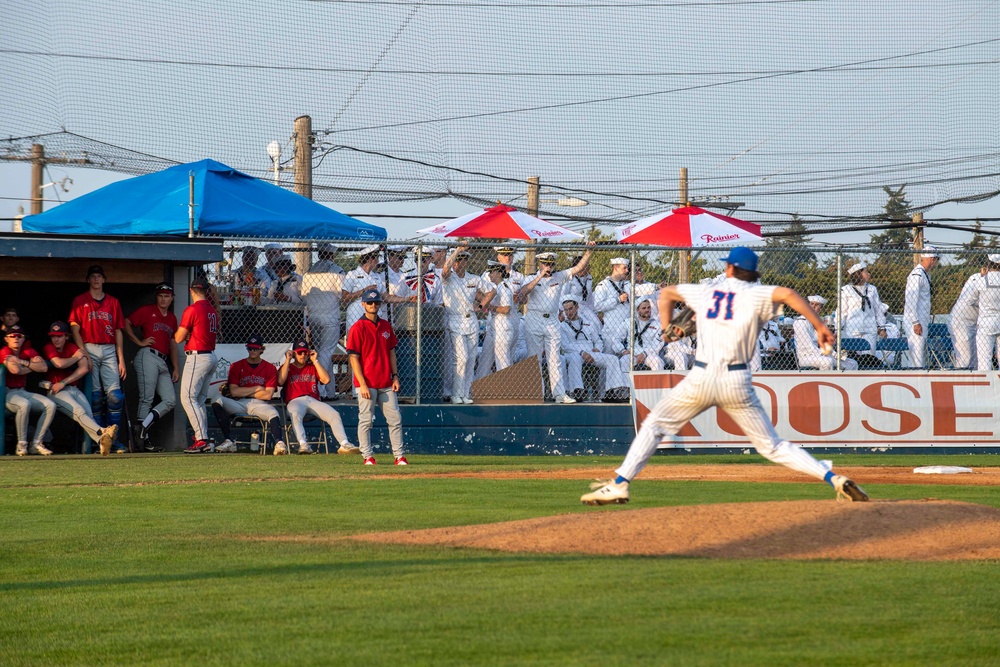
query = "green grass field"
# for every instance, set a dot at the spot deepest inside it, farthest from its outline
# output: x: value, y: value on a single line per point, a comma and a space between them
x: 164, y: 560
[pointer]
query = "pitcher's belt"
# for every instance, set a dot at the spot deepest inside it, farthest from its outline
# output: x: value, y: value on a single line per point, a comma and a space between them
x: 732, y: 367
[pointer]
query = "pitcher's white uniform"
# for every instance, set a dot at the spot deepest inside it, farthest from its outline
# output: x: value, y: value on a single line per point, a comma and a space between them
x: 988, y: 324
x: 729, y: 314
x: 916, y: 310
x: 962, y: 323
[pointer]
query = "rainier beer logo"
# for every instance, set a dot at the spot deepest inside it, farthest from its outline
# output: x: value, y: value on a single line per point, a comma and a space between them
x: 553, y: 232
x: 708, y: 238
x: 627, y: 231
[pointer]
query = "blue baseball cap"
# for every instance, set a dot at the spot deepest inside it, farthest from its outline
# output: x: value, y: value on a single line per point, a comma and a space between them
x: 743, y: 258
x: 371, y: 296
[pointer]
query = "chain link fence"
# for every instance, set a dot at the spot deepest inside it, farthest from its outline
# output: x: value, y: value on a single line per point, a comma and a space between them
x: 481, y: 328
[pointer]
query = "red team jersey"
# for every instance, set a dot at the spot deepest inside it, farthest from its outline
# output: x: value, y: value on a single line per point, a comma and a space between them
x: 301, y: 382
x: 242, y: 374
x: 201, y: 320
x: 98, y: 320
x: 54, y: 375
x: 150, y: 323
x: 371, y: 341
x: 16, y: 381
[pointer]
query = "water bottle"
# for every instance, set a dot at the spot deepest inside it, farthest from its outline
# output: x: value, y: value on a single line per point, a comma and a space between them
x: 255, y: 442
x: 211, y: 445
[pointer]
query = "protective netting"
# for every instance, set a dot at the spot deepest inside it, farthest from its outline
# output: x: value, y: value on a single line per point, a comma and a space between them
x: 458, y: 342
x: 785, y: 106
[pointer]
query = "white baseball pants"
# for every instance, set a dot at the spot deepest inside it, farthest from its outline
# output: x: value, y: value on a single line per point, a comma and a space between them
x: 731, y: 391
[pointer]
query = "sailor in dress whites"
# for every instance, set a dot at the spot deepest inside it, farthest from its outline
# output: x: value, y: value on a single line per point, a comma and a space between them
x: 543, y: 292
x: 465, y: 293
x: 917, y: 308
x: 807, y: 347
x: 962, y: 322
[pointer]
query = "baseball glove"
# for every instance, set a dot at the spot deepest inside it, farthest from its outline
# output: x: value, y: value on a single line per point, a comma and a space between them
x: 224, y: 390
x: 683, y: 325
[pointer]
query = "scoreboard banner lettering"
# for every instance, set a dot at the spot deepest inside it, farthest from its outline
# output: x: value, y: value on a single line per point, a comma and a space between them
x: 938, y: 409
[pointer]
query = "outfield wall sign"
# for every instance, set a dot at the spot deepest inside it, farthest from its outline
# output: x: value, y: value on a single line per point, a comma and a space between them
x: 932, y: 409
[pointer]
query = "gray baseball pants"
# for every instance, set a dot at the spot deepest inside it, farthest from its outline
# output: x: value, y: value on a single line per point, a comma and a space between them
x: 21, y: 402
x: 72, y: 403
x: 299, y: 407
x: 198, y: 370
x: 390, y: 410
x: 153, y: 376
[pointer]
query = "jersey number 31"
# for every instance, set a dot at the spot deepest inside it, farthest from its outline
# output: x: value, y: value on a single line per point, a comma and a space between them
x: 719, y: 297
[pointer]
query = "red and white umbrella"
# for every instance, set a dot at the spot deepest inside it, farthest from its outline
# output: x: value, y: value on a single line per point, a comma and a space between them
x: 690, y: 227
x: 500, y: 222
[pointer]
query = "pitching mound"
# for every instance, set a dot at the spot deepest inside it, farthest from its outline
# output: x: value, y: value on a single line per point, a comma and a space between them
x: 806, y: 529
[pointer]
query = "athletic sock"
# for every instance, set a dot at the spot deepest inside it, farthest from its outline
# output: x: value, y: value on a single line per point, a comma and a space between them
x: 620, y: 479
x: 828, y: 477
x: 223, y: 418
x: 150, y: 418
x: 274, y: 428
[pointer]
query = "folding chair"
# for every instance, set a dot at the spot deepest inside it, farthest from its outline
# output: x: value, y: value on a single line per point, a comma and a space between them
x: 897, y: 345
x: 320, y: 441
x: 938, y: 330
x: 796, y: 355
x: 855, y: 345
x: 940, y: 350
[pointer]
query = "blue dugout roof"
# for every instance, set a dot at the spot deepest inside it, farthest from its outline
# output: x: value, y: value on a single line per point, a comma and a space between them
x: 228, y: 203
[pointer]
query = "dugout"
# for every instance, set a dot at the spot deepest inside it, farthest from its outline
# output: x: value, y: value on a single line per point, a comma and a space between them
x: 42, y: 273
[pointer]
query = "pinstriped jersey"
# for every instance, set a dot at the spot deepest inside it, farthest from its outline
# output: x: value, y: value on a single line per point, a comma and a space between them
x: 729, y: 315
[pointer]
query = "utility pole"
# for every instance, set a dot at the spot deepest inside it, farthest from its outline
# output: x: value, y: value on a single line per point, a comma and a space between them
x: 684, y: 256
x: 304, y: 140
x: 38, y: 162
x: 918, y: 236
x: 534, y: 187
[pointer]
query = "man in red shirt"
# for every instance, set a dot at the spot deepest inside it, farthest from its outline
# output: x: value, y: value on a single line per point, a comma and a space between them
x: 20, y: 361
x: 198, y: 330
x: 152, y: 328
x: 96, y: 321
x: 300, y: 375
x: 371, y: 345
x: 69, y: 364
x: 250, y: 385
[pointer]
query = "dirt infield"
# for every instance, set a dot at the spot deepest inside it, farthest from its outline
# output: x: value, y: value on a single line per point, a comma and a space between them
x: 927, y: 530
x: 731, y: 473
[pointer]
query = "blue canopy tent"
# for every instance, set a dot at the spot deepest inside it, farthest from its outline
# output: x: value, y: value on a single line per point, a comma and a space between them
x: 227, y: 203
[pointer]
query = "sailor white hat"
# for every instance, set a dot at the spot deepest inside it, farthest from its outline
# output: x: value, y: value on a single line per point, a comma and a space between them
x: 860, y: 266
x: 816, y: 298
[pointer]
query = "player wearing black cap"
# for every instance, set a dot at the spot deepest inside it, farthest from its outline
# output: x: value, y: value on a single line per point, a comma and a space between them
x: 152, y: 328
